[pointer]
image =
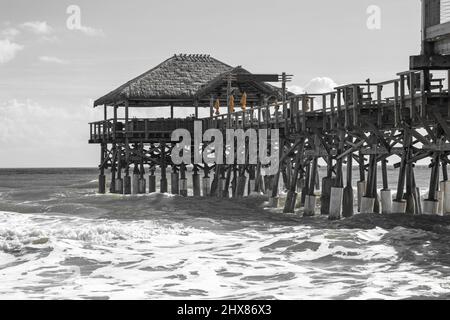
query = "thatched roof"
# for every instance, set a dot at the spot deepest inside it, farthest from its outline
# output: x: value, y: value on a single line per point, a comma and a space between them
x: 181, y: 77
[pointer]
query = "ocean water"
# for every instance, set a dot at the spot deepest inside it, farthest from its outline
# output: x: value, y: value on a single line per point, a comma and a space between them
x: 61, y: 240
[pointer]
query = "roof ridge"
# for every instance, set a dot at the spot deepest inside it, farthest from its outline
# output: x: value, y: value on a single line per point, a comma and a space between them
x: 193, y: 57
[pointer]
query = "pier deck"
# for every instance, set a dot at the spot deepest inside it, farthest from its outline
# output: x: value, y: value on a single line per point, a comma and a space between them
x: 364, y: 124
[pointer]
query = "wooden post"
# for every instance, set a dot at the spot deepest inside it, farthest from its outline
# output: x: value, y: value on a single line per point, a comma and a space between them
x: 346, y: 106
x: 399, y: 204
x: 386, y: 194
x: 285, y: 108
x: 183, y: 181
x: 119, y: 181
x: 196, y: 182
x: 196, y: 108
x: 163, y: 182
x: 112, y: 186
x: 291, y: 197
x: 115, y: 123
x: 356, y: 105
x: 379, y: 105
x: 127, y: 179
x: 174, y: 181
x: 101, y: 177
x: 211, y: 106
x: 152, y: 181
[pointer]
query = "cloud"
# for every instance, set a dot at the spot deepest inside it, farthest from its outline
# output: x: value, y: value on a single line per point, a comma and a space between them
x: 56, y: 60
x: 321, y: 85
x: 92, y: 32
x: 296, y: 89
x: 316, y: 85
x: 38, y: 27
x: 10, y: 33
x: 8, y: 50
x: 46, y: 135
x: 27, y: 122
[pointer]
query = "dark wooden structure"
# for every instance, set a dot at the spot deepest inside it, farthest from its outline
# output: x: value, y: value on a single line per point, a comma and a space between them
x: 360, y: 123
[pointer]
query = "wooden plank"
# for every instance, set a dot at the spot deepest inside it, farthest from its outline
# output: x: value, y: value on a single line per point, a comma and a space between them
x: 435, y: 32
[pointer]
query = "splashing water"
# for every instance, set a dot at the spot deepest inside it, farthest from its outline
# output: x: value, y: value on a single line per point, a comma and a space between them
x: 58, y: 239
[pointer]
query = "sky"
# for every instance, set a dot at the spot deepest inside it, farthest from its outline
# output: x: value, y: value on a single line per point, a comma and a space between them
x: 51, y: 68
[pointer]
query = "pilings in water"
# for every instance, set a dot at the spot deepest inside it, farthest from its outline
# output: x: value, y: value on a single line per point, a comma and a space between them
x: 299, y: 164
x: 361, y: 184
x: 359, y: 129
x: 152, y: 181
x: 175, y: 181
x: 101, y: 177
x: 119, y: 180
x: 386, y: 193
x: 206, y: 181
x: 310, y: 198
x: 183, y: 181
x: 196, y: 182
x: 445, y: 188
x: 163, y: 181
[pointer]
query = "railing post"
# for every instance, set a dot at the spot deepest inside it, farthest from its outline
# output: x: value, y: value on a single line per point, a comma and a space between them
x: 346, y: 106
x: 379, y: 106
x: 126, y: 118
x: 355, y: 106
x: 402, y: 96
x: 423, y: 84
x: 412, y: 93
x: 332, y: 97
x: 339, y: 108
x: 304, y: 109
x: 105, y: 131
x: 396, y: 111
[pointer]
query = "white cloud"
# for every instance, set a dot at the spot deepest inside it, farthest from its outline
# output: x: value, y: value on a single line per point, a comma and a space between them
x: 30, y: 123
x: 38, y: 27
x: 8, y: 50
x: 56, y: 60
x: 38, y: 135
x: 10, y: 33
x: 321, y: 85
x: 92, y: 32
x: 316, y: 85
x: 296, y: 89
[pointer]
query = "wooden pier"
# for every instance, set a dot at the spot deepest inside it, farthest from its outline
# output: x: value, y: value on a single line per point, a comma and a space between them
x: 364, y: 124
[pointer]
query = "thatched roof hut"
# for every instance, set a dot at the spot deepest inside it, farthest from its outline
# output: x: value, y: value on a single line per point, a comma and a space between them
x: 183, y: 80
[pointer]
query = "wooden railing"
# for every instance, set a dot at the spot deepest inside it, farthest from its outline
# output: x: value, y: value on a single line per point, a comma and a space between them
x: 341, y: 108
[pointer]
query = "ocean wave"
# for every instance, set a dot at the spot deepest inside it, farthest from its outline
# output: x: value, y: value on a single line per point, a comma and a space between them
x: 18, y: 231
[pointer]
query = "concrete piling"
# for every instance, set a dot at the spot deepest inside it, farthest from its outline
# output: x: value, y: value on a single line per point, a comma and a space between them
x: 196, y: 182
x: 174, y: 182
x: 336, y: 203
x: 242, y: 181
x: 361, y: 189
x: 127, y: 184
x: 135, y: 180
x: 101, y: 184
x: 119, y: 186
x: 183, y: 181
x: 206, y: 186
x: 152, y: 182
x: 399, y: 206
x: 446, y: 202
x: 367, y: 205
x: 386, y: 201
x: 430, y: 207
